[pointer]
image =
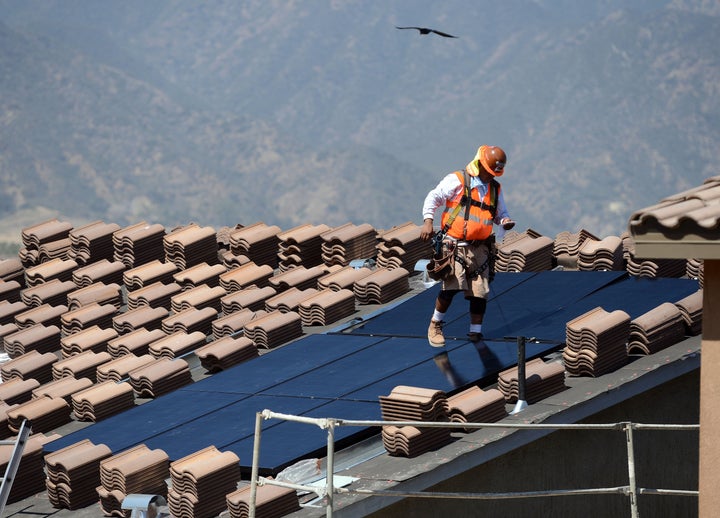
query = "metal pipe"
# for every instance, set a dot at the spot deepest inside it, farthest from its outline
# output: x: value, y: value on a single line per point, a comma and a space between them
x: 486, y: 496
x: 632, y: 491
x: 521, y: 368
x: 330, y: 469
x: 255, y: 464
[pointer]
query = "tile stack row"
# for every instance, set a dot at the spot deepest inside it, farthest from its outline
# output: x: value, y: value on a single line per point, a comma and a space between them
x: 605, y: 254
x: 258, y: 242
x: 201, y: 481
x: 401, y: 247
x: 656, y: 329
x: 102, y: 400
x: 191, y: 245
x: 57, y: 268
x: 301, y: 246
x: 225, y: 352
x: 347, y: 243
x: 32, y: 364
x: 200, y: 274
x: 160, y: 377
x: 527, y: 251
x: 343, y: 278
x: 382, y: 286
x: 45, y: 413
x: 567, y: 245
x: 44, y: 241
x: 245, y: 276
x: 270, y: 501
x: 649, y: 267
x: 233, y: 323
x: 475, y: 405
x: 37, y: 337
x: 405, y: 403
x: 691, y: 309
x: 138, y: 470
x: 12, y: 269
x: 541, y: 380
x: 73, y: 473
x: 596, y: 342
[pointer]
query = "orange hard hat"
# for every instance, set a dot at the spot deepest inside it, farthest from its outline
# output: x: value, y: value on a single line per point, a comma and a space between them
x: 493, y: 159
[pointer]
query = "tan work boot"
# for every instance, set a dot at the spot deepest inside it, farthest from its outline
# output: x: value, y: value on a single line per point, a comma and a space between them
x: 435, y: 334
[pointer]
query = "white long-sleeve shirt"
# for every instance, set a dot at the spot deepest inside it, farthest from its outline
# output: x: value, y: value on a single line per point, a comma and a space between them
x: 450, y: 187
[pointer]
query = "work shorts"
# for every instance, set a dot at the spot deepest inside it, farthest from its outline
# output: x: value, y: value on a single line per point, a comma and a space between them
x: 474, y: 257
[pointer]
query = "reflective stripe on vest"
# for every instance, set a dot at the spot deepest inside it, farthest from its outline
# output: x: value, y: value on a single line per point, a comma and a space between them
x: 478, y: 221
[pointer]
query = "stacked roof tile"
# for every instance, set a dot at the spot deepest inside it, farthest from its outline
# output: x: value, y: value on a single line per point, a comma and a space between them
x: 176, y: 344
x: 348, y: 242
x: 299, y: 277
x: 691, y: 309
x: 401, y: 247
x: 37, y: 337
x: 138, y: 470
x: 102, y: 400
x: 246, y: 275
x: 405, y: 403
x: 382, y: 285
x: 596, y: 342
x: 8, y: 310
x: 94, y: 338
x: 567, y: 245
x: 270, y: 501
x: 191, y: 245
x: 190, y: 320
x: 138, y: 244
x: 53, y: 292
x: 48, y: 239
x: 258, y: 242
x: 149, y: 273
x: 32, y: 364
x: 17, y: 390
x: 62, y: 388
x: 252, y: 298
x: 92, y: 314
x: 327, y: 306
x: 201, y: 273
x: 234, y: 323
x: 301, y: 246
x: 44, y: 314
x: 475, y: 405
x: 73, y: 473
x: 343, y: 277
x: 649, y: 267
x: 30, y: 470
x: 98, y: 292
x: 656, y: 329
x: 199, y: 297
x: 541, y: 380
x: 605, y: 254
x: 92, y: 242
x: 12, y: 269
x: 289, y: 300
x: 103, y: 270
x: 57, y: 268
x: 81, y: 365
x: 160, y: 377
x: 142, y: 316
x: 527, y: 251
x: 225, y: 352
x: 44, y: 413
x: 119, y: 368
x: 135, y: 342
x: 201, y: 481
x: 53, y: 250
x: 155, y: 295
x: 11, y: 291
x: 274, y: 329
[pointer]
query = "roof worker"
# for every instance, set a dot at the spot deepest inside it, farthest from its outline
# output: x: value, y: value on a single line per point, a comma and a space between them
x: 473, y: 202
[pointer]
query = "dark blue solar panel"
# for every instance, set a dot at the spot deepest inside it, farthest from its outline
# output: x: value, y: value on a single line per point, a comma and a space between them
x: 343, y: 374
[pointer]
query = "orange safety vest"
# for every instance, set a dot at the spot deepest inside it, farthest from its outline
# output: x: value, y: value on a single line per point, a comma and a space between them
x: 476, y: 222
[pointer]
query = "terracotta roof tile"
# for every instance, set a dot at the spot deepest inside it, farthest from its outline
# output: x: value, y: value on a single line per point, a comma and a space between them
x: 190, y: 320
x: 343, y: 278
x: 251, y: 297
x: 102, y: 400
x: 12, y: 269
x: 604, y: 254
x: 234, y: 323
x: 8, y: 310
x: 44, y: 232
x: 401, y: 247
x: 42, y: 314
x: 44, y: 414
x: 98, y: 292
x: 92, y: 314
x: 656, y: 329
x: 245, y: 276
x: 155, y: 295
x: 299, y: 277
x: 62, y: 388
x: 53, y: 269
x: 274, y: 329
x: 92, y: 242
x: 382, y: 286
x: 148, y: 273
x: 301, y: 245
x: 143, y: 316
x: 134, y: 342
x: 11, y: 291
x: 348, y: 242
x: 93, y: 338
x: 17, y: 390
x: 691, y: 309
x: 199, y: 297
x: 160, y: 377
x: 524, y: 252
x: 191, y: 245
x: 118, y: 369
x: 258, y: 241
x: 596, y: 342
x: 138, y: 470
x: 31, y: 469
x: 138, y: 244
x: 82, y: 365
x: 37, y: 337
x: 289, y: 300
x: 225, y: 352
x: 542, y: 380
x: 269, y: 501
x: 53, y: 292
x: 32, y: 364
x: 177, y: 344
x: 475, y: 405
x: 202, y: 273
x: 326, y: 307
x: 104, y: 270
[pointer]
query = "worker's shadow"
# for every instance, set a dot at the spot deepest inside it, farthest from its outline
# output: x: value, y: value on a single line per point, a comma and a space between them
x: 488, y: 358
x: 442, y: 360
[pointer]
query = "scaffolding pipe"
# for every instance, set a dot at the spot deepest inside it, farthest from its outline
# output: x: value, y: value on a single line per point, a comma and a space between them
x: 485, y: 496
x: 330, y: 469
x: 255, y: 464
x: 632, y: 492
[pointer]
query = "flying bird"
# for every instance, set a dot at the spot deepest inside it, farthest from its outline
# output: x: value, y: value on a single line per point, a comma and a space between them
x: 425, y: 30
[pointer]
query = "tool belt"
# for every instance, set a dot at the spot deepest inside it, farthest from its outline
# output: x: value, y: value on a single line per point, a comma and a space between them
x: 489, y: 262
